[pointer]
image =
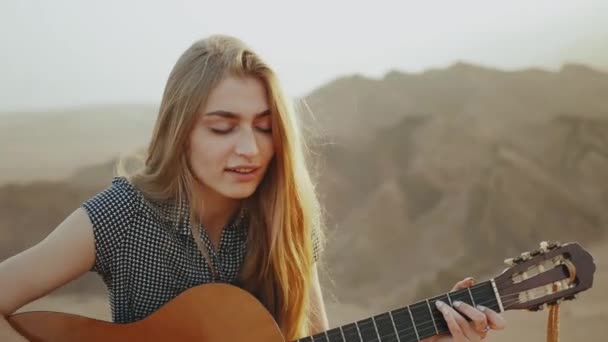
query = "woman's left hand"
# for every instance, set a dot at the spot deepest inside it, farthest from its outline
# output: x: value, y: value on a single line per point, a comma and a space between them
x: 482, y: 319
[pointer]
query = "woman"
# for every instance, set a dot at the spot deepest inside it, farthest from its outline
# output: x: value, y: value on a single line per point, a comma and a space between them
x: 224, y: 195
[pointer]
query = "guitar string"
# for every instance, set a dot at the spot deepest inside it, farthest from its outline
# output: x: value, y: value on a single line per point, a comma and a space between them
x: 410, y: 329
x: 411, y: 332
x: 509, y: 300
x: 510, y: 303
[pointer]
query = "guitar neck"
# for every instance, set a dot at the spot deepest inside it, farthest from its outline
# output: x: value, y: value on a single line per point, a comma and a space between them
x: 411, y: 323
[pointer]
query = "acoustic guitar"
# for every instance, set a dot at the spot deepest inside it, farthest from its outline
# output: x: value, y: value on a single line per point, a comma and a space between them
x: 221, y: 312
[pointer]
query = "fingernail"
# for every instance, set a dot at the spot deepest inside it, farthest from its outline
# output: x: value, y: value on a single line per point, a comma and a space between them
x: 456, y: 303
x: 481, y: 308
x: 439, y: 304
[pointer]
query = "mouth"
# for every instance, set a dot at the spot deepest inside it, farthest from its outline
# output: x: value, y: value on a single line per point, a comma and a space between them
x: 243, y: 175
x: 243, y: 171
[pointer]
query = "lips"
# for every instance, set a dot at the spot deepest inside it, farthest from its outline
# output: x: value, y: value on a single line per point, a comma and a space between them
x: 242, y: 170
x: 243, y: 175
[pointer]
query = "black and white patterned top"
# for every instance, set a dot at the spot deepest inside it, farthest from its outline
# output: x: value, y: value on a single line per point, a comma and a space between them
x: 145, y: 252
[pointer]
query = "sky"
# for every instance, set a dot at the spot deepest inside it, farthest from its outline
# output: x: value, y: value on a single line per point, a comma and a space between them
x: 59, y: 54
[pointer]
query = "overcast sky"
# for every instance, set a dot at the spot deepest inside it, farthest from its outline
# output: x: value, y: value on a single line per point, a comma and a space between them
x: 70, y: 53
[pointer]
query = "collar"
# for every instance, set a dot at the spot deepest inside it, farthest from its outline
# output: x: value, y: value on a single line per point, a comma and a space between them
x: 178, y: 215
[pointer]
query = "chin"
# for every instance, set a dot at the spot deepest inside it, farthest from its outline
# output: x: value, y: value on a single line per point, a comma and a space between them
x: 241, y: 193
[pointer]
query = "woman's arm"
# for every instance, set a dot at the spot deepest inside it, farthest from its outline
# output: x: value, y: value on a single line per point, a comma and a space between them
x: 65, y: 254
x: 318, y: 318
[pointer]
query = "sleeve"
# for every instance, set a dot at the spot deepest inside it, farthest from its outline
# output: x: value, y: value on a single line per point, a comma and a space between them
x: 110, y: 212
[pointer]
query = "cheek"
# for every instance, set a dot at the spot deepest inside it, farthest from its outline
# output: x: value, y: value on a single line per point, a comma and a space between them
x: 267, y: 147
x: 207, y: 156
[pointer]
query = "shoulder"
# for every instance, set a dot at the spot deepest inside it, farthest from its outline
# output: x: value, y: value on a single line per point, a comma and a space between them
x: 115, y: 204
x: 111, y: 213
x: 120, y: 194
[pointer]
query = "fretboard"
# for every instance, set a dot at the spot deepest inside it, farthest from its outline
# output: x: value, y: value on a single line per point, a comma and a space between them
x: 411, y: 323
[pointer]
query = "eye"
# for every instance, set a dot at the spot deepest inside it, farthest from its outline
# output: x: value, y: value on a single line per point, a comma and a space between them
x: 264, y: 126
x: 265, y: 130
x: 220, y: 131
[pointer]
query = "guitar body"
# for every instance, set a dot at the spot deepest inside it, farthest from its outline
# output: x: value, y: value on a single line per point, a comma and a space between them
x: 206, y: 313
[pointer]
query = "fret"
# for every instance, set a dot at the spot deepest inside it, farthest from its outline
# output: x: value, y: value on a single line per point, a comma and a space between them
x: 462, y: 295
x: 422, y: 319
x: 342, y: 332
x: 449, y: 299
x: 385, y: 327
x: 368, y: 330
x: 484, y: 295
x: 394, y: 326
x: 471, y: 296
x: 335, y: 335
x: 432, y: 318
x: 359, y: 332
x: 320, y: 337
x: 406, y: 331
x: 414, y: 325
x: 376, y: 328
x: 440, y: 322
x: 351, y: 333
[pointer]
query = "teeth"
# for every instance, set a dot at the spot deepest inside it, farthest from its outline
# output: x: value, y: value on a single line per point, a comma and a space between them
x: 242, y: 170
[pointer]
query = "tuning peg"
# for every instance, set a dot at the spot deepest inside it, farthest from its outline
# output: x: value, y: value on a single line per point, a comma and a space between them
x: 514, y: 261
x: 544, y: 245
x: 538, y: 307
x: 537, y: 252
x: 525, y: 256
x: 549, y: 245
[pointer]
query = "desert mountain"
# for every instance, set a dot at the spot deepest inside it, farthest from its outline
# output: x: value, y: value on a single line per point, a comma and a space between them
x: 356, y: 107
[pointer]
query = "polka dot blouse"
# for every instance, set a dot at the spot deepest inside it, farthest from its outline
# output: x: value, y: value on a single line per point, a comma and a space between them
x: 146, y: 254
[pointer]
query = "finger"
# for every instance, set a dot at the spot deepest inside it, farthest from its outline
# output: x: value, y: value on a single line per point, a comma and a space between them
x: 463, y: 284
x: 495, y: 320
x: 478, y: 318
x: 452, y: 318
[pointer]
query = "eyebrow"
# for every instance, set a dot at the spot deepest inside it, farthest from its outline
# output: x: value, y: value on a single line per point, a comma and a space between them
x: 230, y: 115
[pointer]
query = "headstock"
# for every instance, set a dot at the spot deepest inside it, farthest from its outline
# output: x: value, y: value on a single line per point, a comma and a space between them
x: 545, y: 276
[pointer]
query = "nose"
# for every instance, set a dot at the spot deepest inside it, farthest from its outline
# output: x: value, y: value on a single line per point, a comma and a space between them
x: 247, y: 144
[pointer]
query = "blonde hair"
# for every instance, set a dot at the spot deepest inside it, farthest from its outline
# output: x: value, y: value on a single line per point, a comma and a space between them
x: 284, y: 212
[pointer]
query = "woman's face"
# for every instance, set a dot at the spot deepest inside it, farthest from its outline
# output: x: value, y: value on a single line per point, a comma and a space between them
x: 233, y: 131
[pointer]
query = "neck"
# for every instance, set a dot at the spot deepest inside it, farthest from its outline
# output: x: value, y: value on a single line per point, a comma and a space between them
x: 411, y: 323
x: 216, y: 211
